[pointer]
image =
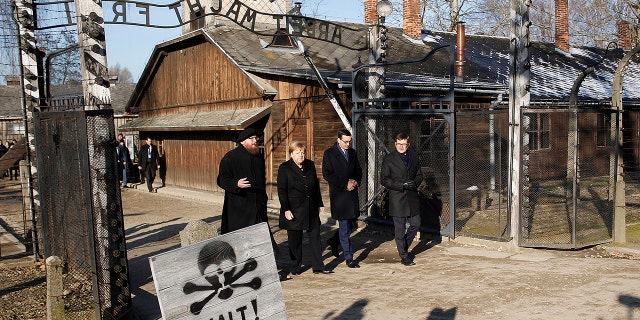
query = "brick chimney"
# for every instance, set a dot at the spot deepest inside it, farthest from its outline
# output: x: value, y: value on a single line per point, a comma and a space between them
x: 370, y: 11
x: 624, y: 35
x: 411, y: 20
x: 460, y: 50
x: 562, y: 24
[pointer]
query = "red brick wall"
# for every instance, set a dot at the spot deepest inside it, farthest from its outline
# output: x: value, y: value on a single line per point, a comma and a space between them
x: 624, y: 35
x: 370, y: 12
x: 562, y: 25
x: 411, y: 20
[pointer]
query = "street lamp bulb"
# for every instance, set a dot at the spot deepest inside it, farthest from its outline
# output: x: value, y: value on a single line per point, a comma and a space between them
x: 384, y: 8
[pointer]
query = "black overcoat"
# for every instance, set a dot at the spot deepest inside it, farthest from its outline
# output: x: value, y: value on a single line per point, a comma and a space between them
x: 337, y: 172
x: 144, y: 161
x: 393, y: 173
x: 123, y: 154
x: 299, y: 191
x: 242, y: 207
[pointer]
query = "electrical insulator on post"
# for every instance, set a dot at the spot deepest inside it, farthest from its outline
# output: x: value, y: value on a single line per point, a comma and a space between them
x: 28, y: 47
x: 91, y: 26
x: 26, y: 19
x: 382, y: 44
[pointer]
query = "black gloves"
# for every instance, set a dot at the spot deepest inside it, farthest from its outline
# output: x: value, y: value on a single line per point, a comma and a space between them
x: 410, y: 185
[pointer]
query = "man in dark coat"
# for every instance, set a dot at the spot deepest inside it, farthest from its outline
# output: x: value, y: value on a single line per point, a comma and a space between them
x: 3, y: 150
x: 148, y: 162
x: 242, y: 175
x: 401, y: 175
x: 341, y: 169
x: 124, y: 160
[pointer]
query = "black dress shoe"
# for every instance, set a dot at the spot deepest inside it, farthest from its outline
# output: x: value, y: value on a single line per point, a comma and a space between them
x: 323, y: 271
x: 407, y: 261
x: 335, y: 251
x: 352, y: 264
x: 296, y: 271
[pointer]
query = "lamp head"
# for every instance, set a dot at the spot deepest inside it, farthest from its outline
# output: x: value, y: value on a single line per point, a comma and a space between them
x: 384, y: 8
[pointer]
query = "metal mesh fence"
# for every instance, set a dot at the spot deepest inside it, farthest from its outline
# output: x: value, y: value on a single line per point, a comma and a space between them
x: 567, y: 173
x: 569, y: 163
x: 111, y: 254
x: 481, y: 172
x: 81, y: 212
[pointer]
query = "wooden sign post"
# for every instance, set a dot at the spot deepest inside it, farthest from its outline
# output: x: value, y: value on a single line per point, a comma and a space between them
x: 232, y: 276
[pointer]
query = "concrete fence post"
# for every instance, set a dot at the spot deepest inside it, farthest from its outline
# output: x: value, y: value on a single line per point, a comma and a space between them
x: 55, y: 298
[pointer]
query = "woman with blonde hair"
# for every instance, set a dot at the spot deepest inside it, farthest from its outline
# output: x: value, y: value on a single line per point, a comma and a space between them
x: 300, y: 205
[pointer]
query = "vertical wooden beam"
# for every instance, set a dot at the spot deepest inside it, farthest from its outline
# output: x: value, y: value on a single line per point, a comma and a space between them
x: 93, y: 54
x: 29, y: 54
x: 32, y: 84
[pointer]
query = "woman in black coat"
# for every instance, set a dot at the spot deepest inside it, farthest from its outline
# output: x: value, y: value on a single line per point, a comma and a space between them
x: 300, y: 204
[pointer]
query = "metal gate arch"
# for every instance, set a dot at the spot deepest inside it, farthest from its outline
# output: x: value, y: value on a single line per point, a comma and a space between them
x: 432, y: 135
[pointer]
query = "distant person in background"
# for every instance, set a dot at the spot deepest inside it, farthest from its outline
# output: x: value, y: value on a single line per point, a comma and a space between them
x: 148, y: 157
x: 3, y: 150
x: 242, y: 175
x: 14, y: 170
x: 124, y: 159
x: 7, y: 145
x: 162, y: 162
x: 117, y: 144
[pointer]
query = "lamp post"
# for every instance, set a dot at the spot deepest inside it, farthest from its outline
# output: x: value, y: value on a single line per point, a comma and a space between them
x: 377, y: 55
x: 377, y: 51
x: 384, y: 9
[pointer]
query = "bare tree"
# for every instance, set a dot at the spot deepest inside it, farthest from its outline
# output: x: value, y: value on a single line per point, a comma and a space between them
x: 63, y: 58
x: 591, y: 22
x: 634, y: 7
x: 123, y: 75
x: 445, y: 14
x: 9, y: 64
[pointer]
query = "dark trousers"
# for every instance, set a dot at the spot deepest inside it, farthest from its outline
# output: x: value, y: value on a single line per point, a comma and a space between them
x: 14, y: 172
x: 150, y: 175
x: 345, y: 228
x: 404, y: 237
x: 295, y: 247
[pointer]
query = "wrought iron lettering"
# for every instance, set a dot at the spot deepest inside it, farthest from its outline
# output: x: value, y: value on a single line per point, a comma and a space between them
x: 238, y: 12
x: 119, y: 10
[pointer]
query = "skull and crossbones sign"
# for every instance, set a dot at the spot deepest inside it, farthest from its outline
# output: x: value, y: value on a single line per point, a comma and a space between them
x: 215, y: 253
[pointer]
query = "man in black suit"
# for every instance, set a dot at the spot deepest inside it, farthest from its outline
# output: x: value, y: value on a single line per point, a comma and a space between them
x: 401, y: 175
x: 341, y: 169
x: 148, y: 162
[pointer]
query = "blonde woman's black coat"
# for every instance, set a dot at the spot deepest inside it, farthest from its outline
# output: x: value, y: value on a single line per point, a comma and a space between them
x: 299, y: 191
